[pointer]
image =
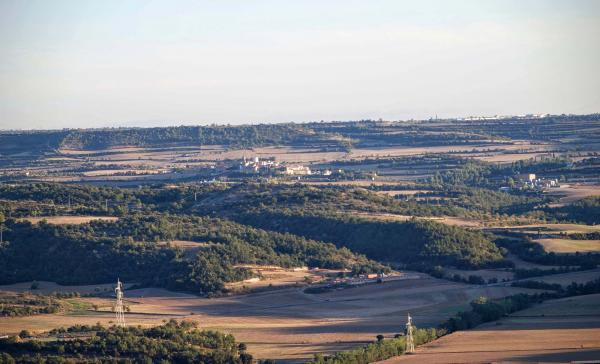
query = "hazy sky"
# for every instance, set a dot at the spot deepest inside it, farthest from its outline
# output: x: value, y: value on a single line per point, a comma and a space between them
x: 112, y: 63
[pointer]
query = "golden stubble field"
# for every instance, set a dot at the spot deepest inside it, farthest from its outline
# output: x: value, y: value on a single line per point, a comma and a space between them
x: 558, y: 245
x: 288, y: 324
x: 564, y: 330
x: 552, y: 236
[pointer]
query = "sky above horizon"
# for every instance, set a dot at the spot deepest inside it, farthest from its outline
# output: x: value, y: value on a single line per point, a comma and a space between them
x: 84, y: 63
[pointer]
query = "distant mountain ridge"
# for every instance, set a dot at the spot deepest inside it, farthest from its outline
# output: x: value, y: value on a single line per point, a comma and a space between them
x: 363, y: 133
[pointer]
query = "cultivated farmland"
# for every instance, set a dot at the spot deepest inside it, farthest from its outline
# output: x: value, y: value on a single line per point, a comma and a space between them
x: 561, y: 330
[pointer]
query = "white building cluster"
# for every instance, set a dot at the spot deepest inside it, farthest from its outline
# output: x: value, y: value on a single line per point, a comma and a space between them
x: 256, y: 165
x: 270, y: 166
x: 504, y: 117
x: 529, y: 181
x: 298, y: 170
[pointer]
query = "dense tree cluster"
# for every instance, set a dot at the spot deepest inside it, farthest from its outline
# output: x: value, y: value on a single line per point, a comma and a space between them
x: 321, y: 214
x: 577, y: 289
x: 586, y: 210
x: 26, y: 304
x: 101, y: 251
x: 56, y: 198
x: 405, y: 242
x: 302, y: 220
x: 235, y: 136
x: 46, y: 199
x: 595, y: 235
x: 256, y: 196
x: 486, y: 310
x: 379, y: 350
x: 173, y: 342
x: 325, y: 214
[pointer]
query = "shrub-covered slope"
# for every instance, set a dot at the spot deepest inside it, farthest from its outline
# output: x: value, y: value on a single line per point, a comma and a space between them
x: 101, y: 251
x: 327, y: 215
x: 409, y: 242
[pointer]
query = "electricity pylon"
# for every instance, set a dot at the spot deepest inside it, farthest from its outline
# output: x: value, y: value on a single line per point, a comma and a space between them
x: 119, y: 314
x: 410, y: 342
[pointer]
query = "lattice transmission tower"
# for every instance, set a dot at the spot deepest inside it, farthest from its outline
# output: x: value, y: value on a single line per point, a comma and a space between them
x: 410, y: 341
x: 119, y: 314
